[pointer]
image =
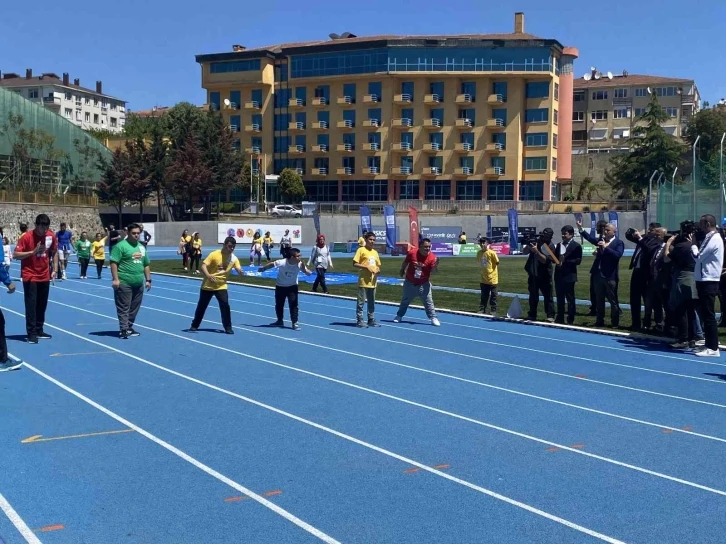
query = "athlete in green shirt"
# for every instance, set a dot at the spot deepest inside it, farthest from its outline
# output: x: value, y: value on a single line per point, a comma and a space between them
x: 83, y: 250
x: 129, y: 269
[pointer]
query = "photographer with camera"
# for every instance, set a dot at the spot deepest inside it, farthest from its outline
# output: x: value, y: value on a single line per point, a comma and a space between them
x: 584, y: 235
x: 607, y: 261
x: 540, y: 253
x: 569, y: 254
x: 646, y: 245
x: 707, y: 273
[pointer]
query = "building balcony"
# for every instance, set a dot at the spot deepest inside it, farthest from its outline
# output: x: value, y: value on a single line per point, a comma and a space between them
x: 320, y: 125
x: 295, y: 126
x: 254, y: 150
x: 295, y: 149
x: 464, y: 98
x: 230, y: 105
x: 346, y: 124
x: 401, y: 123
x: 494, y: 147
x: 687, y: 99
x: 463, y: 147
x: 494, y: 171
x: 432, y: 99
x: 371, y: 123
x: 463, y: 123
x: 495, y: 99
x: 371, y: 98
x: 343, y: 100
x: 234, y: 128
x: 402, y: 98
x: 344, y: 148
x: 432, y: 123
x: 401, y: 171
x: 495, y: 124
x: 295, y: 103
x: 371, y: 147
x: 320, y: 101
x: 319, y: 172
x: 622, y: 101
x: 432, y: 147
x: 252, y: 105
x: 321, y: 148
x: 52, y: 102
x: 298, y: 171
x: 255, y: 129
x: 344, y: 171
x: 371, y: 171
x: 432, y: 171
x: 401, y: 147
x: 464, y: 171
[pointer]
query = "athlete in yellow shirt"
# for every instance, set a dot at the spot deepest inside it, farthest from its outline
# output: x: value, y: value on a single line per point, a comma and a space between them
x: 369, y: 263
x: 215, y: 268
x: 489, y: 261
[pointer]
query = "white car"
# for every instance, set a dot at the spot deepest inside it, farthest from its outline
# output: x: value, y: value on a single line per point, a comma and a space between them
x: 285, y: 210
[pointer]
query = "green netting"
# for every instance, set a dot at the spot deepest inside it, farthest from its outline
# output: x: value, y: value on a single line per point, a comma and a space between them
x: 691, y: 199
x: 39, y: 117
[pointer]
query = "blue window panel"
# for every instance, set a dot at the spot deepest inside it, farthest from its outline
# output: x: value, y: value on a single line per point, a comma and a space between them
x: 438, y: 113
x: 500, y: 87
x: 321, y: 190
x: 468, y: 114
x: 365, y: 191
x: 437, y: 138
x: 539, y: 115
x: 323, y: 91
x: 499, y: 138
x: 468, y: 190
x: 374, y: 162
x: 281, y: 74
x: 349, y: 162
x: 374, y: 138
x: 436, y: 162
x: 407, y: 162
x: 466, y: 162
x: 301, y: 94
x: 257, y: 142
x: 407, y: 137
x: 282, y: 98
x: 321, y: 162
x: 376, y: 88
x: 467, y: 138
x: 470, y: 89
x: 349, y: 115
x: 234, y: 66
x: 407, y: 113
x: 500, y: 113
x: 535, y: 163
x: 438, y: 190
x: 235, y: 97
x: 500, y: 190
x: 437, y: 88
x: 235, y: 120
x: 531, y: 190
x: 324, y: 116
x: 349, y: 138
x: 300, y: 140
x: 257, y: 96
x: 498, y: 162
x: 537, y: 139
x: 375, y: 113
x: 407, y: 88
x: 281, y: 121
x: 300, y: 117
x: 537, y: 89
x: 409, y: 190
x: 257, y: 120
x: 349, y: 90
x: 214, y: 100
x: 324, y: 139
x: 281, y: 144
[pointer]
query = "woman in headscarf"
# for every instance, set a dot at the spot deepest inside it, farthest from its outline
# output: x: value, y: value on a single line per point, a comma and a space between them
x: 320, y: 257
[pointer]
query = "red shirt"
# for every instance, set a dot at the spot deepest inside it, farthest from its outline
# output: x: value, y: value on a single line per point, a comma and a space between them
x: 36, y: 267
x: 419, y: 267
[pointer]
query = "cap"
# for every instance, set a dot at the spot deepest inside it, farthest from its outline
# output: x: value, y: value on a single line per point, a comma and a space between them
x: 547, y: 231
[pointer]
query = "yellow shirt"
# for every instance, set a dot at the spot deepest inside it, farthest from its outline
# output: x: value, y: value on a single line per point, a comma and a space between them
x: 218, y: 266
x: 361, y: 241
x: 197, y: 245
x: 367, y: 257
x: 489, y: 261
x: 98, y: 251
x: 267, y: 240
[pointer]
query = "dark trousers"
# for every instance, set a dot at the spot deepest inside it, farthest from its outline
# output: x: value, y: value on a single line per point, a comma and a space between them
x: 722, y: 300
x: 3, y: 340
x: 99, y: 267
x: 707, y: 293
x: 84, y: 265
x: 686, y: 320
x: 289, y: 294
x: 638, y: 293
x: 185, y: 259
x: 35, y: 294
x: 606, y: 289
x: 194, y: 262
x: 488, y: 296
x: 565, y: 294
x: 320, y: 280
x: 537, y: 285
x: 653, y: 304
x: 205, y: 296
x: 593, y: 298
x: 128, y: 303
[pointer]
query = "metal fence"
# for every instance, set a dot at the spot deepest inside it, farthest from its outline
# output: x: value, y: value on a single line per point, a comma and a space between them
x: 68, y: 199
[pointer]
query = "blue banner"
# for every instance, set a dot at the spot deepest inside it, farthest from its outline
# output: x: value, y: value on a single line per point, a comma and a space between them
x: 613, y: 218
x: 593, y: 224
x: 389, y: 215
x: 316, y: 221
x: 489, y: 227
x: 365, y: 219
x: 513, y: 222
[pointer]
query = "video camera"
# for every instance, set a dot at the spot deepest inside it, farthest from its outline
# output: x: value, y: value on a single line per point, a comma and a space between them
x: 529, y: 239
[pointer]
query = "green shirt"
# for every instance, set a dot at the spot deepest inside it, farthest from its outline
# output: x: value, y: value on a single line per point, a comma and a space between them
x: 131, y: 261
x: 83, y: 249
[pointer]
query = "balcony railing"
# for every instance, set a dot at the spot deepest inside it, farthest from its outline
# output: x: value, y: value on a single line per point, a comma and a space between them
x: 295, y: 149
x: 371, y: 123
x: 371, y: 98
x: 495, y: 147
x: 319, y: 172
x: 463, y: 147
x: 401, y: 123
x: 345, y: 171
x: 432, y: 99
x: 402, y: 98
x: 402, y: 146
x: 347, y: 124
x: 401, y: 170
x: 320, y: 148
x: 463, y: 123
x: 464, y: 98
x: 371, y: 170
x: 234, y: 128
x: 295, y: 103
x: 253, y: 150
x: 344, y: 100
x: 432, y: 123
x: 495, y: 123
x: 345, y: 148
x: 371, y: 146
x: 320, y: 101
x: 252, y: 105
x: 296, y: 125
x: 432, y: 147
x: 252, y: 128
x: 320, y: 125
x: 432, y: 171
x: 495, y: 98
x: 464, y: 171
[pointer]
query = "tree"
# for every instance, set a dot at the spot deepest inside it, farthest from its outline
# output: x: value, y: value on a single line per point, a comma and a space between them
x: 188, y: 174
x: 137, y: 126
x: 291, y: 185
x: 710, y: 124
x: 88, y: 161
x: 181, y: 121
x: 220, y: 155
x: 158, y: 160
x: 137, y: 186
x: 651, y: 149
x: 110, y: 189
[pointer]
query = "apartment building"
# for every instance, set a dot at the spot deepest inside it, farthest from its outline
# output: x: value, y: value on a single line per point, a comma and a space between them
x: 382, y: 118
x: 84, y: 107
x: 607, y: 106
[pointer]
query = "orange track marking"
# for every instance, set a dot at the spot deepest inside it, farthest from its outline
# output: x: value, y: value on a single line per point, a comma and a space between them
x: 49, y: 528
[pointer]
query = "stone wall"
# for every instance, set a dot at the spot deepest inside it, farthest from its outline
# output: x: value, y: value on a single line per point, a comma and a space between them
x: 592, y: 165
x: 77, y: 218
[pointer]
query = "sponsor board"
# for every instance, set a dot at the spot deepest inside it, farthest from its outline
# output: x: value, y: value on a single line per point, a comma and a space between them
x: 244, y: 232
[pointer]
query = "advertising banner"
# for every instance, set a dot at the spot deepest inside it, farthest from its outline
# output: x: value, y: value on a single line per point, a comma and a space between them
x: 613, y: 218
x: 413, y: 226
x: 442, y: 249
x: 465, y: 250
x: 500, y: 248
x: 151, y: 229
x: 441, y: 235
x: 489, y: 226
x: 316, y: 221
x: 243, y: 232
x: 593, y: 224
x: 513, y: 222
x: 389, y: 215
x: 365, y: 219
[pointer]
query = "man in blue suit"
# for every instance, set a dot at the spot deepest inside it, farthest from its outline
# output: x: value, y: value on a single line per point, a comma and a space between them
x: 607, y: 262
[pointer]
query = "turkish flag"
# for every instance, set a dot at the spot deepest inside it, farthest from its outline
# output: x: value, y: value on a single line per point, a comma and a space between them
x: 413, y: 228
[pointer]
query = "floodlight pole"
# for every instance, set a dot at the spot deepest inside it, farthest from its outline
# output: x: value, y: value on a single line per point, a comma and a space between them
x: 673, y: 195
x: 650, y: 197
x: 693, y: 175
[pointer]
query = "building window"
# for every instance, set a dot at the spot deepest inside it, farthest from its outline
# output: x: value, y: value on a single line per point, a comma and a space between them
x: 555, y: 116
x: 535, y: 163
x: 599, y: 115
x: 557, y: 91
x: 349, y: 91
x: 621, y: 113
x: 68, y: 113
x: 407, y: 88
x: 348, y: 162
x: 497, y: 138
x: 33, y: 93
x: 281, y: 121
x: 500, y: 88
x: 437, y: 114
x: 324, y: 117
x: 470, y: 89
x: 323, y: 139
x: 554, y: 141
x: 641, y: 92
x: 114, y: 122
x: 87, y: 117
x: 468, y: 190
x: 257, y: 120
x: 500, y: 190
x: 321, y: 191
x: 621, y: 93
x: 531, y: 190
x: 466, y: 162
x: 500, y: 113
x: 539, y: 115
x: 375, y: 88
x: 537, y: 139
x: 578, y: 96
x: 69, y: 96
x: 538, y: 89
x: 578, y: 116
x: 214, y: 100
x: 256, y: 96
x: 95, y: 102
x: 281, y: 144
x: 282, y: 98
x: 438, y: 190
x: 639, y: 112
x: 349, y: 115
x: 554, y: 164
x: 365, y: 191
x: 236, y: 66
x: 599, y: 95
x: 671, y: 112
x: 499, y: 162
x: 665, y: 91
x: 409, y: 189
x: 579, y: 135
x: 468, y: 114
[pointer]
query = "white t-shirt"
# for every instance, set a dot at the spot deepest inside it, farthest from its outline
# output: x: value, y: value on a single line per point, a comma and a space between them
x: 709, y: 260
x: 287, y: 273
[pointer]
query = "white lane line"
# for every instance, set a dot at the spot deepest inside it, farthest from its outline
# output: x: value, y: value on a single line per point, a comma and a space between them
x: 384, y: 395
x: 189, y: 459
x: 25, y: 531
x: 310, y: 423
x: 367, y: 337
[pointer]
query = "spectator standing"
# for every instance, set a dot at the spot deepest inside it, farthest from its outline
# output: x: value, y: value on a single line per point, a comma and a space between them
x: 6, y: 364
x: 569, y: 255
x: 707, y: 273
x: 417, y: 267
x: 646, y: 245
x: 607, y: 262
x: 593, y: 240
x: 489, y: 262
x: 322, y: 260
x: 539, y: 273
x: 286, y: 286
x: 368, y: 262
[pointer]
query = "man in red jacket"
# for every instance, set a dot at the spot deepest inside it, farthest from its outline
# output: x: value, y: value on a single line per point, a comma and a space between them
x: 417, y: 267
x: 33, y: 250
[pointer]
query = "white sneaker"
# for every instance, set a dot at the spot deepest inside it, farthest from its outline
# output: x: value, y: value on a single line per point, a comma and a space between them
x: 700, y: 342
x: 396, y: 319
x: 435, y: 322
x: 708, y: 353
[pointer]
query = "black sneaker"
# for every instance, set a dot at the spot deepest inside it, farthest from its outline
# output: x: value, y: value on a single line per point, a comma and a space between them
x: 44, y: 336
x: 229, y: 330
x: 133, y: 332
x: 9, y: 365
x: 373, y: 323
x: 32, y: 339
x: 193, y: 328
x: 277, y: 324
x: 124, y: 335
x: 295, y: 327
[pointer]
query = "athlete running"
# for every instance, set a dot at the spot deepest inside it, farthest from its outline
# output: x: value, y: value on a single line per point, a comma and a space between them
x: 64, y: 249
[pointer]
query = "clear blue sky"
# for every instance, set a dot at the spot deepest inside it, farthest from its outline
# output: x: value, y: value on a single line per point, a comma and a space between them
x: 143, y: 51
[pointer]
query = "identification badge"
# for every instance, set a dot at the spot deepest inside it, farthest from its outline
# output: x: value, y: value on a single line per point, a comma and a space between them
x: 417, y: 273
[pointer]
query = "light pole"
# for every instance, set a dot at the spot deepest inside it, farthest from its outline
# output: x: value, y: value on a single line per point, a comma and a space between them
x: 673, y: 196
x: 693, y: 176
x: 650, y: 197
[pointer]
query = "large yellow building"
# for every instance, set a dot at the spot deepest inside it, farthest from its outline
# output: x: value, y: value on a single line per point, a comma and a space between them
x: 388, y: 118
